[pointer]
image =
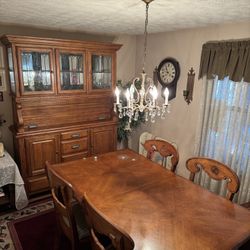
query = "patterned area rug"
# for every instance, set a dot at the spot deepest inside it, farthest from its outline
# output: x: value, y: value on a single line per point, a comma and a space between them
x: 6, y: 242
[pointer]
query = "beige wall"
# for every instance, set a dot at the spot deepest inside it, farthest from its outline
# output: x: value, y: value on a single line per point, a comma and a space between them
x: 6, y: 106
x: 184, y: 45
x: 126, y: 57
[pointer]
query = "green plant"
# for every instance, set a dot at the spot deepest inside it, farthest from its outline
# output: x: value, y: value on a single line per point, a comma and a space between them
x: 122, y: 131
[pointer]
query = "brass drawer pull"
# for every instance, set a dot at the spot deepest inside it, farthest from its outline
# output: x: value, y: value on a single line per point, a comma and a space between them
x: 76, y: 146
x: 102, y: 117
x: 76, y: 135
x: 33, y: 125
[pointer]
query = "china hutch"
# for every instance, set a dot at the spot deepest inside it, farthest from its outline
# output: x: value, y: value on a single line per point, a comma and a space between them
x: 62, y: 94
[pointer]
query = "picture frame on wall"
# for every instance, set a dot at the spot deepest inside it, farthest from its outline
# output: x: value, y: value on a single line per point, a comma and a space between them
x: 2, y: 80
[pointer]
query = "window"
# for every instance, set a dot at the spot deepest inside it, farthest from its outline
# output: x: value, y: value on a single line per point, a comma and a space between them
x: 225, y: 132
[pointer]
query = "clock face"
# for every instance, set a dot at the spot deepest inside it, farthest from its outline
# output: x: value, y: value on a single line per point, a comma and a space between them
x: 167, y: 73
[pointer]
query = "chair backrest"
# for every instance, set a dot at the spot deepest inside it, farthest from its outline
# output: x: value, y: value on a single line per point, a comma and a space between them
x: 101, y: 226
x: 215, y: 170
x: 165, y: 149
x: 144, y: 137
x: 62, y: 196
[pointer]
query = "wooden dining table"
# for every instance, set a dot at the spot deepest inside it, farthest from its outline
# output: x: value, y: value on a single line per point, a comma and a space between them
x: 157, y: 208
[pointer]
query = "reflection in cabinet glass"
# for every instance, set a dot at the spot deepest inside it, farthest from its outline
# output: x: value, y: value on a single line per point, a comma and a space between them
x: 36, y: 71
x: 101, y: 72
x: 71, y: 71
x: 11, y: 70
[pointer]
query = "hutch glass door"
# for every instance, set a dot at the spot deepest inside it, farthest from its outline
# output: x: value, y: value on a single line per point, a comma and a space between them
x: 11, y: 70
x: 36, y: 71
x: 72, y: 75
x: 101, y: 72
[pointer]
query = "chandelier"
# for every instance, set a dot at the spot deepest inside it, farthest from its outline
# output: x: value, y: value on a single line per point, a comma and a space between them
x: 143, y: 98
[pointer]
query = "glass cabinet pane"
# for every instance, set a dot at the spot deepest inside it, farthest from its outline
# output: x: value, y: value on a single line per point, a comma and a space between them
x: 36, y: 71
x: 101, y: 72
x: 71, y: 71
x: 11, y: 70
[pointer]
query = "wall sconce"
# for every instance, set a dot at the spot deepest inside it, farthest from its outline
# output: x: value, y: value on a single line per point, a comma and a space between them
x: 188, y: 93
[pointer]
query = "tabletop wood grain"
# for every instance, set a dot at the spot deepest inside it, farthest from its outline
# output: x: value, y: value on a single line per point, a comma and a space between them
x: 158, y: 209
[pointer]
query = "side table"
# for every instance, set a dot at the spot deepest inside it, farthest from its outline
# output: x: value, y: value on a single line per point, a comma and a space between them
x: 10, y: 175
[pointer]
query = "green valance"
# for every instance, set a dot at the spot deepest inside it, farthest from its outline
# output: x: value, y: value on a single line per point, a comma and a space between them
x: 226, y: 58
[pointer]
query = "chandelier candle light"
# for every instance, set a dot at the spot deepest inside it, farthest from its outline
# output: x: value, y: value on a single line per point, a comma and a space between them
x: 142, y: 99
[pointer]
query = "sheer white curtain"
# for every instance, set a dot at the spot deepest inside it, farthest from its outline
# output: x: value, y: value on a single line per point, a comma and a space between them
x: 224, y: 132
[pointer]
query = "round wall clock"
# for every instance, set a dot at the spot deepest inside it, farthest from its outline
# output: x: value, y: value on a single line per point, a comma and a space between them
x: 168, y: 72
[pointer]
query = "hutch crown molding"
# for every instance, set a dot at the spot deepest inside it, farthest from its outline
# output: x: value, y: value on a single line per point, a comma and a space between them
x: 62, y: 95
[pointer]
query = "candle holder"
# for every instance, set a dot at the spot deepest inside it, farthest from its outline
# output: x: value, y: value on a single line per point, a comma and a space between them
x: 188, y: 92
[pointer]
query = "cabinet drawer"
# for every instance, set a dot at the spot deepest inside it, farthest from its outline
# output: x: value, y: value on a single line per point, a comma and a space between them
x: 72, y: 146
x: 74, y: 134
x: 72, y: 157
x: 38, y: 184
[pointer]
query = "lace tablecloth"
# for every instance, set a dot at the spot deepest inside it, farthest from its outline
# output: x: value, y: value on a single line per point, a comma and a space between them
x: 9, y: 174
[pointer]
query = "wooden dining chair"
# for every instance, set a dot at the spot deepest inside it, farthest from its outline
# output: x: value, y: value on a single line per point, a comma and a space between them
x: 165, y: 149
x: 70, y: 217
x: 104, y: 234
x: 246, y: 205
x: 215, y: 170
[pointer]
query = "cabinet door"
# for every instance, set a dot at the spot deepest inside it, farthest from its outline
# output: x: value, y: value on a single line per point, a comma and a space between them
x: 103, y: 139
x: 11, y: 70
x: 40, y: 149
x: 36, y: 69
x: 71, y: 71
x: 102, y: 77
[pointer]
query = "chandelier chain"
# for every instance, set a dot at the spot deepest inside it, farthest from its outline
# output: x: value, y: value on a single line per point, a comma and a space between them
x: 145, y: 38
x: 141, y: 100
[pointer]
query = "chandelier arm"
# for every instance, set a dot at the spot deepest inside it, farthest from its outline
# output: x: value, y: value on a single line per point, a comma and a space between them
x: 137, y: 92
x: 146, y: 95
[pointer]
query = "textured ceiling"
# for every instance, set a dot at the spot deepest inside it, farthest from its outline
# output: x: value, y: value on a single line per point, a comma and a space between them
x: 121, y: 16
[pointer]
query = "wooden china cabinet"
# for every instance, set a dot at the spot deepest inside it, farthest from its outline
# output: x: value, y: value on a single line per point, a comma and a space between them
x: 62, y: 94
